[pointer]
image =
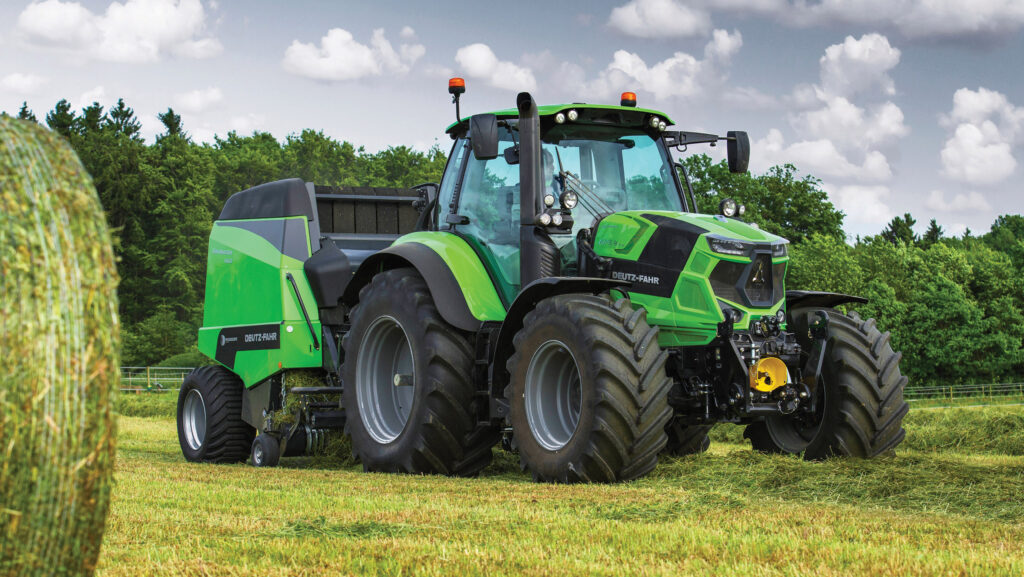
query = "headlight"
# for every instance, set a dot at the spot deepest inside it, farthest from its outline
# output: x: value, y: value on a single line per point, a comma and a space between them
x: 728, y: 207
x: 559, y: 118
x: 573, y: 115
x: 733, y: 247
x: 569, y: 199
x: 780, y: 249
x: 544, y: 219
x: 781, y: 315
x: 549, y: 200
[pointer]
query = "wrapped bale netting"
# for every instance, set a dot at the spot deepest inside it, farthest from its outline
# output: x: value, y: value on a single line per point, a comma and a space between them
x: 59, y: 339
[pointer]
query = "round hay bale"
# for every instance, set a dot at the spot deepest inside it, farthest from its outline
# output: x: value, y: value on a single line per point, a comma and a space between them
x: 59, y: 369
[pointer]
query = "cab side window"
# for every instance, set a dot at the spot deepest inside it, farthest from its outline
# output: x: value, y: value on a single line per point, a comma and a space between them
x: 490, y: 200
x: 451, y: 176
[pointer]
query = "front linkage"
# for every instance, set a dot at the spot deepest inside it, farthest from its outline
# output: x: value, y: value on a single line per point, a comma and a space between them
x: 742, y: 375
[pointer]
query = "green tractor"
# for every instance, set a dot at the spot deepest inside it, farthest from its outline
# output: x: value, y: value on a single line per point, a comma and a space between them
x: 557, y: 292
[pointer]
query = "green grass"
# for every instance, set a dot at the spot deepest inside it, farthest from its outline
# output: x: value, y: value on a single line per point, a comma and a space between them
x: 940, y: 506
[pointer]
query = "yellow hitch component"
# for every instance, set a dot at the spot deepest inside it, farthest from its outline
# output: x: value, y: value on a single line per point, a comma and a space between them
x: 768, y: 374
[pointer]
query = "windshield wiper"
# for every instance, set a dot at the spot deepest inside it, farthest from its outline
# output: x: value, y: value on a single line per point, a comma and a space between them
x: 587, y: 198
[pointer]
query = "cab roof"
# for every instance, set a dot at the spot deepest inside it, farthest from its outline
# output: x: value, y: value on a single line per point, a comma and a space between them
x: 589, y: 114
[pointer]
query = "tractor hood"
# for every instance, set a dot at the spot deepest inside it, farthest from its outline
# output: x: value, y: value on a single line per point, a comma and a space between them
x: 686, y: 269
x: 723, y: 227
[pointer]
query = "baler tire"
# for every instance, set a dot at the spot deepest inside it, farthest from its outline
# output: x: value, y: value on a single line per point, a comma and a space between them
x: 265, y: 452
x: 441, y: 433
x: 622, y: 411
x: 686, y: 439
x: 226, y: 437
x: 863, y: 408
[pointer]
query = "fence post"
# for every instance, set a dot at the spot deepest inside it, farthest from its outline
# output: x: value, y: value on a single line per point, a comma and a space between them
x: 147, y: 379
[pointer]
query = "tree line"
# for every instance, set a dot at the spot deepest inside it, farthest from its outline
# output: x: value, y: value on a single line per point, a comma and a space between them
x: 953, y: 304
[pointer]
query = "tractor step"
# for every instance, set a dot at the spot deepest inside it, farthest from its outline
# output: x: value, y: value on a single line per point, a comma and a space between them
x: 315, y: 391
x: 327, y: 419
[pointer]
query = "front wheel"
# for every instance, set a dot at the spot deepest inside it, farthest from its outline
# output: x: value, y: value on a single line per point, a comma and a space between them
x: 588, y: 391
x: 860, y: 406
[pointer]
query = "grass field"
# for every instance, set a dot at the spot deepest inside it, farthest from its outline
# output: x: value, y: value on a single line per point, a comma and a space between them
x: 951, y: 502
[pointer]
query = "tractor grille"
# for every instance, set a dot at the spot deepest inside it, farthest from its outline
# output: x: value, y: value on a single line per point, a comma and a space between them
x: 758, y: 283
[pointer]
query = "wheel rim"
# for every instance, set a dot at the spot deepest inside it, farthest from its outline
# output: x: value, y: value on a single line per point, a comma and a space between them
x: 554, y: 395
x: 257, y: 454
x: 193, y: 418
x: 385, y: 354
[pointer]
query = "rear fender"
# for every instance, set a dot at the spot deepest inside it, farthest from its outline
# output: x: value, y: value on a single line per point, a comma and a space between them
x: 458, y: 282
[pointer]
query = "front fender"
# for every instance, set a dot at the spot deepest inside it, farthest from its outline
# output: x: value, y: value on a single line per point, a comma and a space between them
x: 527, y: 299
x: 818, y: 299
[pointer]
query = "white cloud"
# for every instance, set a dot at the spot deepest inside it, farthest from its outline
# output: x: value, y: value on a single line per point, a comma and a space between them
x: 198, y: 100
x: 956, y: 229
x: 978, y: 19
x: 971, y: 202
x: 135, y: 31
x: 864, y: 205
x: 659, y: 19
x: 95, y: 94
x: 340, y: 57
x: 976, y: 154
x: 985, y: 129
x: 680, y: 75
x: 479, y: 61
x: 839, y: 139
x: 407, y: 33
x: 851, y: 126
x: 818, y: 157
x: 858, y: 65
x: 248, y: 123
x: 22, y: 84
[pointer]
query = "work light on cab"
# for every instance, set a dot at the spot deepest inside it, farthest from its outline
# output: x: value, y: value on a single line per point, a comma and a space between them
x: 568, y: 199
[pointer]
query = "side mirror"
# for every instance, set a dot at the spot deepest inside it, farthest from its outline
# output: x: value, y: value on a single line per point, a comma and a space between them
x: 483, y: 133
x: 739, y: 150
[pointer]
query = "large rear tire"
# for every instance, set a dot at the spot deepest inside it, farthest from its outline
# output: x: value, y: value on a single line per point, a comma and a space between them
x: 210, y: 425
x: 588, y: 392
x: 409, y: 394
x: 862, y: 409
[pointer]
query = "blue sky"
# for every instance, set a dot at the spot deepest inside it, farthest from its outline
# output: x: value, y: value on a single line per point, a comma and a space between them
x: 897, y: 105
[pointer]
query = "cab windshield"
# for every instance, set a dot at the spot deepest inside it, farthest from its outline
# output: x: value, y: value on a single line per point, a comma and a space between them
x: 616, y: 169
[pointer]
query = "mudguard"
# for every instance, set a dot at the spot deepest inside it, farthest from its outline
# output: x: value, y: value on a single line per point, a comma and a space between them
x: 817, y: 299
x: 527, y: 299
x: 458, y: 281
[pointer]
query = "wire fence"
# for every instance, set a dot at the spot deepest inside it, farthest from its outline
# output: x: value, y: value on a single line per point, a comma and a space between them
x: 981, y: 392
x: 152, y: 379
x: 157, y: 379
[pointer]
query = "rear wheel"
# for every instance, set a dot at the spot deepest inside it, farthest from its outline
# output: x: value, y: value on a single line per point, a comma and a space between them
x: 210, y: 425
x: 588, y: 391
x: 860, y: 406
x: 409, y: 392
